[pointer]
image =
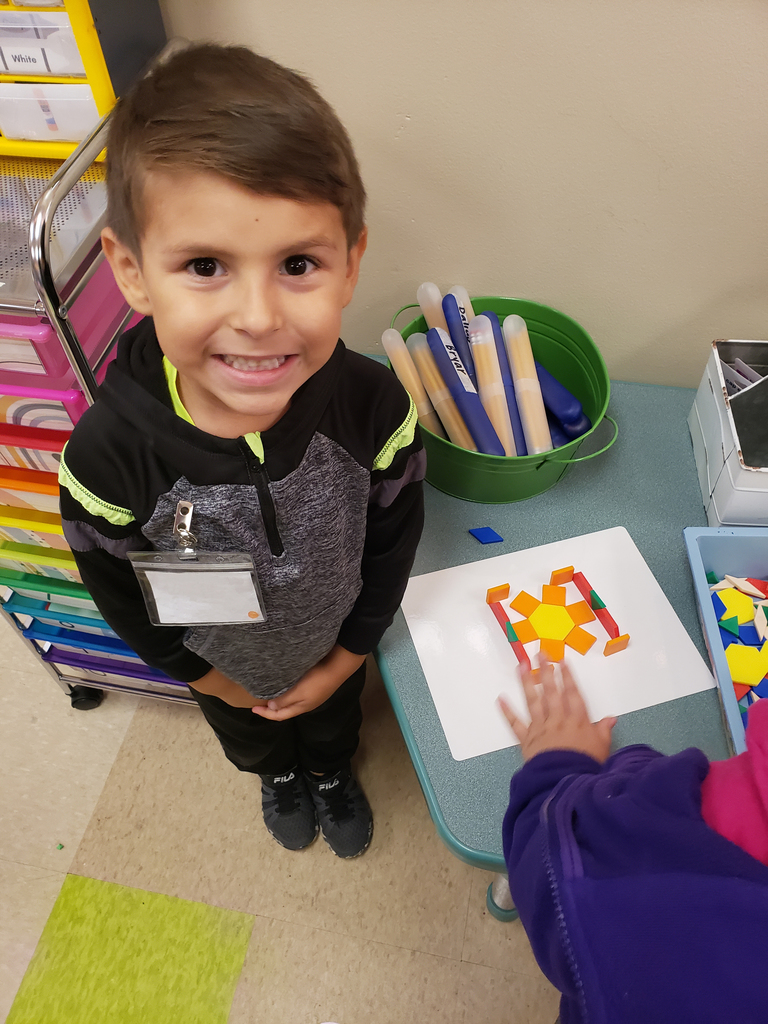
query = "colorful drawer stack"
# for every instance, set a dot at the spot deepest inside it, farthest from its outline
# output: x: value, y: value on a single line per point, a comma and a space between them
x: 41, y: 592
x: 40, y: 401
x: 61, y: 623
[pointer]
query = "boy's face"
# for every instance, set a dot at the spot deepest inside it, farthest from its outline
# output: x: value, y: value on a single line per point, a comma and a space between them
x: 246, y: 292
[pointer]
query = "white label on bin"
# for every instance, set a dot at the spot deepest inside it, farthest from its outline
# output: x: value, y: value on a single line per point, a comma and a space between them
x: 56, y: 58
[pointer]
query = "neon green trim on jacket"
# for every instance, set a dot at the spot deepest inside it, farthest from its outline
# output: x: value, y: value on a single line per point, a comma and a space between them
x: 171, y: 376
x: 91, y: 502
x: 256, y: 445
x: 401, y: 438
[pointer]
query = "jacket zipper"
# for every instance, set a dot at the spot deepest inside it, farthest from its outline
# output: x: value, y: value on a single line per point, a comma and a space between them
x: 562, y: 925
x: 257, y: 474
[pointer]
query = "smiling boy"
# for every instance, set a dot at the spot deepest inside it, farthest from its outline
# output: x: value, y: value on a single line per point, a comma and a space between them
x: 235, y: 224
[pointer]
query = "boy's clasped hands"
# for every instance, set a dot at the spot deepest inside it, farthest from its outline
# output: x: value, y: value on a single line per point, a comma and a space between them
x: 559, y: 716
x: 312, y: 690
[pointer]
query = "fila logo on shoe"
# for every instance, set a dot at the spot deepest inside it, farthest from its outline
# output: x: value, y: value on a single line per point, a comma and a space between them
x: 285, y: 778
x: 329, y: 785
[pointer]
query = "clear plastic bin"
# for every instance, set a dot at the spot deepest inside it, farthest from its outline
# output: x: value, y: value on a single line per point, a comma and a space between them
x: 46, y: 112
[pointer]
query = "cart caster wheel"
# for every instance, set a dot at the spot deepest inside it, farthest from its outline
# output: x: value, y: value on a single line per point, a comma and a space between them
x: 497, y: 911
x: 84, y: 698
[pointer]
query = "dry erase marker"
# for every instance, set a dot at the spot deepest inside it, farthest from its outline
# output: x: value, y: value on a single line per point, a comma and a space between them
x: 509, y: 387
x: 463, y: 392
x: 431, y: 301
x: 490, y: 386
x: 408, y: 376
x: 445, y: 407
x: 465, y: 304
x: 527, y: 388
x: 458, y: 329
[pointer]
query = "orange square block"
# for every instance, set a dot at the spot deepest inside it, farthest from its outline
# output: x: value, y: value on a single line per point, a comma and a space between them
x: 553, y: 595
x: 561, y: 576
x: 580, y: 640
x: 554, y: 649
x: 580, y: 612
x: 524, y: 603
x: 616, y: 644
x: 524, y: 631
x: 495, y: 594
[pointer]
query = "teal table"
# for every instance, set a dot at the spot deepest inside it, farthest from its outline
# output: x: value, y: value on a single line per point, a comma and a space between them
x: 646, y: 482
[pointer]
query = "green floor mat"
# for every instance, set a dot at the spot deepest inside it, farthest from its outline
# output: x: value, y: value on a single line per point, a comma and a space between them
x: 114, y: 955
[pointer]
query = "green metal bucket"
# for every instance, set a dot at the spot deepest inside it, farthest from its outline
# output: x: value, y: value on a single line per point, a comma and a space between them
x: 565, y: 349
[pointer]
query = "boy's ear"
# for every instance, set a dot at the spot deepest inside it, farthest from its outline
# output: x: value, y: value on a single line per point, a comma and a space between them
x: 127, y: 270
x: 353, y: 264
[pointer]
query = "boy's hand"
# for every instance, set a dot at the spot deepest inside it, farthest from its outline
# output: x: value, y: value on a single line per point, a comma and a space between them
x: 314, y: 688
x: 216, y: 684
x: 559, y: 719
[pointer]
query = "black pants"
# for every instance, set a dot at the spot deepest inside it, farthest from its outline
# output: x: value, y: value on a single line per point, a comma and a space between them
x: 322, y: 740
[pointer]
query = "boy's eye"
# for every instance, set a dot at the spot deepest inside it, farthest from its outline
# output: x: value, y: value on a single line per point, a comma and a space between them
x: 298, y: 266
x: 204, y: 266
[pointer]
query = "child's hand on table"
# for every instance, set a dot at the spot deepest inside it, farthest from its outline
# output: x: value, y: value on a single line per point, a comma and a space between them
x: 559, y: 718
x: 314, y: 688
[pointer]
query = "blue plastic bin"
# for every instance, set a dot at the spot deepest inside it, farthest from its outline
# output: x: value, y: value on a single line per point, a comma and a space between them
x: 738, y: 551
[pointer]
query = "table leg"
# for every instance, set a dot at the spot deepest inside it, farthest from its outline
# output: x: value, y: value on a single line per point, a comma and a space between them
x: 498, y: 899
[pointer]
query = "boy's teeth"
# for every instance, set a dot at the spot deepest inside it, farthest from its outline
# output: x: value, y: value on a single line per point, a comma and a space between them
x: 242, y: 363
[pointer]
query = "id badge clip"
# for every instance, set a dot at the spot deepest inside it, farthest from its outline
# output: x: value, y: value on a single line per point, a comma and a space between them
x: 189, y: 587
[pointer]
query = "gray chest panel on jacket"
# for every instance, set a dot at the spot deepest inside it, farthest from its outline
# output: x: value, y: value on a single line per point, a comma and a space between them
x: 307, y: 591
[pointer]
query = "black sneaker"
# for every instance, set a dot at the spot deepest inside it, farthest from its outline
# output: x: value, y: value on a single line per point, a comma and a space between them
x: 343, y: 812
x: 289, y: 812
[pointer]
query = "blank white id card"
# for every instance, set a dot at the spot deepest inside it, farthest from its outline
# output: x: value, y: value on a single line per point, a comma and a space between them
x: 212, y: 589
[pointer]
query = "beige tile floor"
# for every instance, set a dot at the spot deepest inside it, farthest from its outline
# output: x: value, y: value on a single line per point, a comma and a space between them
x: 139, y: 793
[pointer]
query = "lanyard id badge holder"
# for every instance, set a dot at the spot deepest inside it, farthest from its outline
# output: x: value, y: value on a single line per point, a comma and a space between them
x: 188, y: 587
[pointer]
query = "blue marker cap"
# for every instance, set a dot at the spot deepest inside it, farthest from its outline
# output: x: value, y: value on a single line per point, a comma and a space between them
x: 559, y: 438
x: 559, y: 399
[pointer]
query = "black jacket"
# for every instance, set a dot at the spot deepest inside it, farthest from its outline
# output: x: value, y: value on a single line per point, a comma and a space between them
x: 328, y: 502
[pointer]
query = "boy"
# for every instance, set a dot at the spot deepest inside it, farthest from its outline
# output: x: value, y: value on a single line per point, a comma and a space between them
x: 235, y: 224
x: 633, y: 880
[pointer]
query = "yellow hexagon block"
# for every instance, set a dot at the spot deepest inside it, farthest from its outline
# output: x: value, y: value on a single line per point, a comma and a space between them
x: 737, y: 604
x: 747, y: 665
x: 551, y: 622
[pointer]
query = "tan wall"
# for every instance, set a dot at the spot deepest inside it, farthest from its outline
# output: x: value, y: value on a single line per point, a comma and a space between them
x: 606, y: 157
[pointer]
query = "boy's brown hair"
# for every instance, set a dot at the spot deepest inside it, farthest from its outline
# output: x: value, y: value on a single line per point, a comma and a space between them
x: 227, y: 110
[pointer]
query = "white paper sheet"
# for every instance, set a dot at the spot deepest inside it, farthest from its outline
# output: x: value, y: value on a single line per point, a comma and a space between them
x: 185, y: 598
x: 468, y: 662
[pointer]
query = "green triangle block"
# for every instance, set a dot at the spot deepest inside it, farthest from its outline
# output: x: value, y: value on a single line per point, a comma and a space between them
x: 511, y: 634
x: 732, y: 625
x: 595, y: 601
x: 712, y: 577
